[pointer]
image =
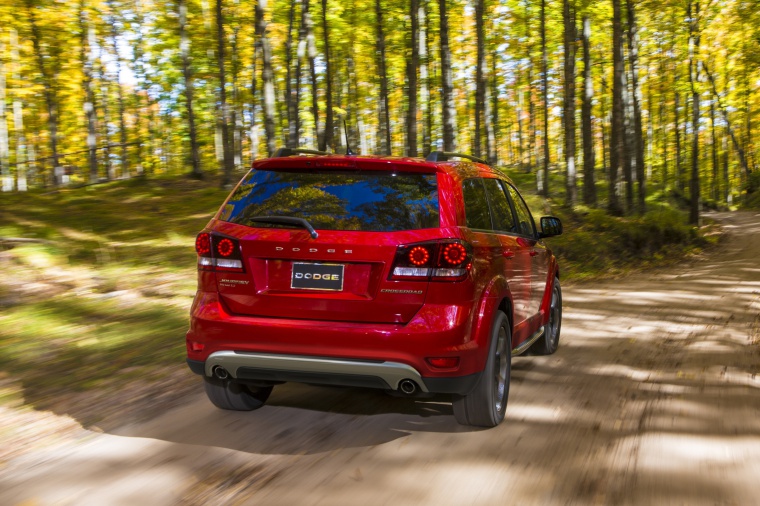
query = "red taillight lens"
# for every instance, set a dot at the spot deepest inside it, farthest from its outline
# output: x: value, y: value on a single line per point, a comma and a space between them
x: 419, y: 255
x: 203, y: 244
x: 218, y: 253
x: 225, y: 247
x: 454, y: 254
x: 448, y: 260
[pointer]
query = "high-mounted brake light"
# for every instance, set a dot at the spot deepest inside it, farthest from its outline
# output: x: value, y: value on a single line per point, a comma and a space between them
x: 447, y: 260
x: 218, y: 253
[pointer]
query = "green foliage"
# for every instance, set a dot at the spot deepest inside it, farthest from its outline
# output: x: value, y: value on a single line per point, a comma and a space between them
x: 597, y: 244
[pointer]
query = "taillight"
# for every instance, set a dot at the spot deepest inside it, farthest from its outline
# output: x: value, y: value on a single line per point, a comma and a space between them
x: 448, y: 260
x: 218, y: 253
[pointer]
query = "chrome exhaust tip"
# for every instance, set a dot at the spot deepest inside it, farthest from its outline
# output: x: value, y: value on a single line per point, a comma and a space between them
x: 407, y: 386
x: 220, y: 372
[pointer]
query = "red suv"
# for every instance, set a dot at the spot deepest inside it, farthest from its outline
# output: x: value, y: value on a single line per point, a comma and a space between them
x: 413, y: 276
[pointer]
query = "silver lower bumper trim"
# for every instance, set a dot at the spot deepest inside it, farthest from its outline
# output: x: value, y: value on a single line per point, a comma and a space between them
x: 391, y: 372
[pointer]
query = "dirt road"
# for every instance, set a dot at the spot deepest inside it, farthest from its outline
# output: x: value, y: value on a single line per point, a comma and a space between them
x: 653, y: 398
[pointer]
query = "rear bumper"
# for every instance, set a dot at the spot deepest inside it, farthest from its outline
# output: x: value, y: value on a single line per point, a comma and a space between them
x: 290, y: 349
x: 384, y: 375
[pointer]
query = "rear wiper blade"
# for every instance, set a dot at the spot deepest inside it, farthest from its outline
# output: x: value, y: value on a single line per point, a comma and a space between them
x: 287, y: 220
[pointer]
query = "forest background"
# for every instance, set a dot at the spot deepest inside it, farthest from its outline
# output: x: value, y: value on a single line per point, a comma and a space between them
x: 619, y: 101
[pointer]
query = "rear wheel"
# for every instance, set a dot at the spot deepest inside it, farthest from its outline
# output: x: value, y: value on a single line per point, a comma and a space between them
x: 549, y: 342
x: 226, y: 394
x: 486, y: 404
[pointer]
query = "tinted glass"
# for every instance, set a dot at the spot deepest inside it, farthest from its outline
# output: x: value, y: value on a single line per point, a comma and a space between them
x: 501, y: 212
x: 525, y: 225
x: 476, y: 205
x: 332, y: 200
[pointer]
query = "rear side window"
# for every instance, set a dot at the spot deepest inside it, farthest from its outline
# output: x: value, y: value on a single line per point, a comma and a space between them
x: 476, y: 205
x: 333, y: 200
x: 501, y: 212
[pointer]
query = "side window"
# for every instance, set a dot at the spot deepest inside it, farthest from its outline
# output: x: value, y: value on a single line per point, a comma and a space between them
x: 501, y: 212
x: 525, y: 225
x: 476, y: 205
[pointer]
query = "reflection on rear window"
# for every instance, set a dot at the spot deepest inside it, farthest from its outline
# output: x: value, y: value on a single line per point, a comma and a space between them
x: 369, y: 201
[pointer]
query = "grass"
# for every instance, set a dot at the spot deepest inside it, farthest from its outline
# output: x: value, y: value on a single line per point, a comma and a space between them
x: 102, y: 282
x: 101, y: 286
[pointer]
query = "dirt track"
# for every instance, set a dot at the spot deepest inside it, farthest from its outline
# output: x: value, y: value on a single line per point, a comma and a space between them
x: 653, y: 398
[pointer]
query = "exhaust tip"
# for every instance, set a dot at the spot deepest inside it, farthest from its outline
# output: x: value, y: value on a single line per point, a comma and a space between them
x: 220, y: 372
x: 407, y: 386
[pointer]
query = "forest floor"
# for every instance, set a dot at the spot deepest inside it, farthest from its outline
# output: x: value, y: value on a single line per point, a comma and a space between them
x: 652, y: 398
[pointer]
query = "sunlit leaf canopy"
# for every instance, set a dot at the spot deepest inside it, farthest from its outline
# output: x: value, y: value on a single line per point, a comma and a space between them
x: 134, y: 47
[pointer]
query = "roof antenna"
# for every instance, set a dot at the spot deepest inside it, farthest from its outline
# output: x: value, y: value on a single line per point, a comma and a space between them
x: 345, y: 130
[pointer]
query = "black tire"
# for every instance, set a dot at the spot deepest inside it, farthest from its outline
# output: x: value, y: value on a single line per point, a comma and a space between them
x: 486, y: 404
x: 226, y: 394
x: 549, y: 342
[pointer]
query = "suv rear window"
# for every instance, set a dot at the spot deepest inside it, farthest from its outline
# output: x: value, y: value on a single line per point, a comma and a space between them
x: 337, y: 200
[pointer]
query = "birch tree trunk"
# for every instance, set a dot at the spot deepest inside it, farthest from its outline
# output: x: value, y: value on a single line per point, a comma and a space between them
x: 543, y: 187
x: 187, y: 75
x: 327, y: 139
x: 50, y: 95
x: 267, y: 76
x: 425, y: 105
x: 480, y: 85
x: 447, y: 81
x: 638, y: 134
x: 694, y: 75
x: 617, y: 146
x: 223, y: 120
x: 384, y: 130
x: 570, y: 33
x: 311, y: 47
x: 411, y: 78
x: 5, y: 169
x: 589, y: 158
x: 119, y: 90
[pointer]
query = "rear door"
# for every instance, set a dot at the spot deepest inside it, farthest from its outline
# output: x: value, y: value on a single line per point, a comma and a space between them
x: 360, y: 218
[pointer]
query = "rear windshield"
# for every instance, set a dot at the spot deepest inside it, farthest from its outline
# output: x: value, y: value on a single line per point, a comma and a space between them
x: 368, y: 201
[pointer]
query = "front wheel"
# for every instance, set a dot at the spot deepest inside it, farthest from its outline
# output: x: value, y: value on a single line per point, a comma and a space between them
x: 226, y: 394
x: 549, y: 342
x: 486, y: 404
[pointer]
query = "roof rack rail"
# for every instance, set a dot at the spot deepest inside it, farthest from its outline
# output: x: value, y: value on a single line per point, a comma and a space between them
x: 441, y: 156
x: 296, y: 151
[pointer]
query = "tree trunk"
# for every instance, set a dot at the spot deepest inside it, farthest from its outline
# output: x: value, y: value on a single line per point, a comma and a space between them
x: 384, y: 131
x: 223, y: 120
x: 119, y: 90
x: 492, y: 125
x: 694, y: 75
x: 447, y: 82
x: 480, y: 84
x: 311, y: 47
x: 187, y: 75
x: 267, y: 76
x: 290, y: 94
x: 570, y: 33
x: 544, y: 182
x: 47, y: 83
x: 87, y: 41
x: 715, y: 187
x: 617, y: 146
x: 425, y: 105
x: 5, y: 170
x: 638, y: 135
x: 327, y: 138
x: 411, y: 78
x: 589, y: 186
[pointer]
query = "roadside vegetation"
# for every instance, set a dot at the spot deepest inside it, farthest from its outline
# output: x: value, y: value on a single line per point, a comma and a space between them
x: 98, y: 283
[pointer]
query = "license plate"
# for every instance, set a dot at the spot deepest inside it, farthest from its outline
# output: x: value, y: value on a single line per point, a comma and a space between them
x: 317, y: 277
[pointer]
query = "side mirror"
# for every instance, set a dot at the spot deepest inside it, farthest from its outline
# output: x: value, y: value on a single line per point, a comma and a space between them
x: 550, y: 226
